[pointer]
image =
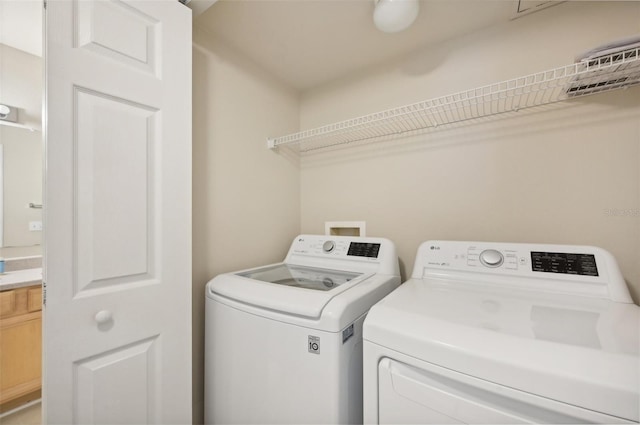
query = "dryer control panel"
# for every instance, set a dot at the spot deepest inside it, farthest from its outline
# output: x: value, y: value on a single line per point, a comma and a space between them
x: 585, y: 270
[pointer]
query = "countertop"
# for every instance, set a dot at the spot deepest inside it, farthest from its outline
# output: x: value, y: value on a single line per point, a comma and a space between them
x: 20, y: 278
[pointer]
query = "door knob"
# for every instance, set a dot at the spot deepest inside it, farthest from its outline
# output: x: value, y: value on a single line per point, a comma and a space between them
x: 103, y: 316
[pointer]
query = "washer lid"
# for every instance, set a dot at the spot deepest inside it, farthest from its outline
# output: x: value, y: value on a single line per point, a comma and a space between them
x: 577, y: 350
x: 286, y: 288
x: 301, y: 277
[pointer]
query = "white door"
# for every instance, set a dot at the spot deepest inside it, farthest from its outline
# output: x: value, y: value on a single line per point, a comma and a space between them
x: 117, y: 317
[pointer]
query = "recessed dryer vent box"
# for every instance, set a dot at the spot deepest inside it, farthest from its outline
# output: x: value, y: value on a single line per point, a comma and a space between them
x: 345, y: 228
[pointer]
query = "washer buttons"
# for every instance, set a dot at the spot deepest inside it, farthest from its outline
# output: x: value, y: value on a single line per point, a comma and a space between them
x: 328, y: 246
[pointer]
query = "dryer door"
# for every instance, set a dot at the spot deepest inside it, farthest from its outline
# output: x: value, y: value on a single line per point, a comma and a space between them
x: 430, y: 394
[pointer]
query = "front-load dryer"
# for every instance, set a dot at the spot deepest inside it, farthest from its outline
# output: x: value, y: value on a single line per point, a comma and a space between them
x: 283, y: 342
x: 504, y: 333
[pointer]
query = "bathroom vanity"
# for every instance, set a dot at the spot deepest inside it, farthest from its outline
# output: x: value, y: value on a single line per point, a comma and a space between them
x: 20, y: 337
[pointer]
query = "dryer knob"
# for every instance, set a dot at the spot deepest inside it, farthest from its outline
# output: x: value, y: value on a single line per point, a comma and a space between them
x: 491, y: 258
x: 328, y: 246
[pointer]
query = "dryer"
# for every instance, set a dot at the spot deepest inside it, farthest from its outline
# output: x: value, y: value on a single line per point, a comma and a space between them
x: 504, y: 333
x: 283, y: 342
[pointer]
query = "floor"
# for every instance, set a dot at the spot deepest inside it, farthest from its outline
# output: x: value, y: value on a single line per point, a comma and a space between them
x: 29, y: 415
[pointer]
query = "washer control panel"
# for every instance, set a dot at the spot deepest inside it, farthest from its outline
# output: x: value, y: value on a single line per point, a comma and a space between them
x: 368, y: 249
x: 347, y: 253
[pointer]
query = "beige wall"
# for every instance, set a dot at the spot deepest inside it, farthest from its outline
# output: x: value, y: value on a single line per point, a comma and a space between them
x: 549, y: 175
x: 246, y: 203
x: 21, y: 86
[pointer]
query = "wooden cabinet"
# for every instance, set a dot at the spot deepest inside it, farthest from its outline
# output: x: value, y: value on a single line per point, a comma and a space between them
x: 20, y: 344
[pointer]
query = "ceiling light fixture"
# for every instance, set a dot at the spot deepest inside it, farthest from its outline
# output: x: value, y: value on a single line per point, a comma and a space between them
x: 395, y: 15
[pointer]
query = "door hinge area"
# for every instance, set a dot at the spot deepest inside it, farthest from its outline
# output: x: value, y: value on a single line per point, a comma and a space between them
x: 44, y: 293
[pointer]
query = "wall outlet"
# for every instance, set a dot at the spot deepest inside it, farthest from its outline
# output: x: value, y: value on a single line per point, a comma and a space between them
x: 35, y: 226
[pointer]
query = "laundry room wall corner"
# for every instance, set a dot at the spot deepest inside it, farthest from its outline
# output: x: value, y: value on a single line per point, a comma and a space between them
x: 246, y: 203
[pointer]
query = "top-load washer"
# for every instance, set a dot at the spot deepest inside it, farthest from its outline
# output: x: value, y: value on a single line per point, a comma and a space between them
x: 504, y: 333
x: 283, y: 343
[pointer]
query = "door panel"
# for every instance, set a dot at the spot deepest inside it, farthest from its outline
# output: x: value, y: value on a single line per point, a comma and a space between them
x: 130, y: 371
x: 115, y: 178
x: 117, y: 265
x: 135, y: 41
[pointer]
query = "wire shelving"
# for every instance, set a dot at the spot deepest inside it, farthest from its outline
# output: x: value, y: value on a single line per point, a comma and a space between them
x: 587, y: 77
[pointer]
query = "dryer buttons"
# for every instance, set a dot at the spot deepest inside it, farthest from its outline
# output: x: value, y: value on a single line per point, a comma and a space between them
x: 491, y: 258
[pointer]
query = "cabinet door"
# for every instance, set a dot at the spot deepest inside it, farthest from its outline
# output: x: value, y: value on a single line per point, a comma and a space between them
x: 34, y: 299
x: 20, y: 355
x: 7, y: 303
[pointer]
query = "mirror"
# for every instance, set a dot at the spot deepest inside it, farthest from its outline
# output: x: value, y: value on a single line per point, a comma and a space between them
x: 21, y: 168
x: 22, y: 178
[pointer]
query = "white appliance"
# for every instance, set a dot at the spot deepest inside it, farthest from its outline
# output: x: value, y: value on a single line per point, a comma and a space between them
x: 283, y: 342
x: 504, y: 333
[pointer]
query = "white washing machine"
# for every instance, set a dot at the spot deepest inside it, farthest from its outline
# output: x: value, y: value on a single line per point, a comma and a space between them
x: 504, y: 333
x: 283, y: 343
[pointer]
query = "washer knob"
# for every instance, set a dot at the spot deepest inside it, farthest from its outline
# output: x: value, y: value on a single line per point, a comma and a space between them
x: 328, y: 246
x: 491, y: 258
